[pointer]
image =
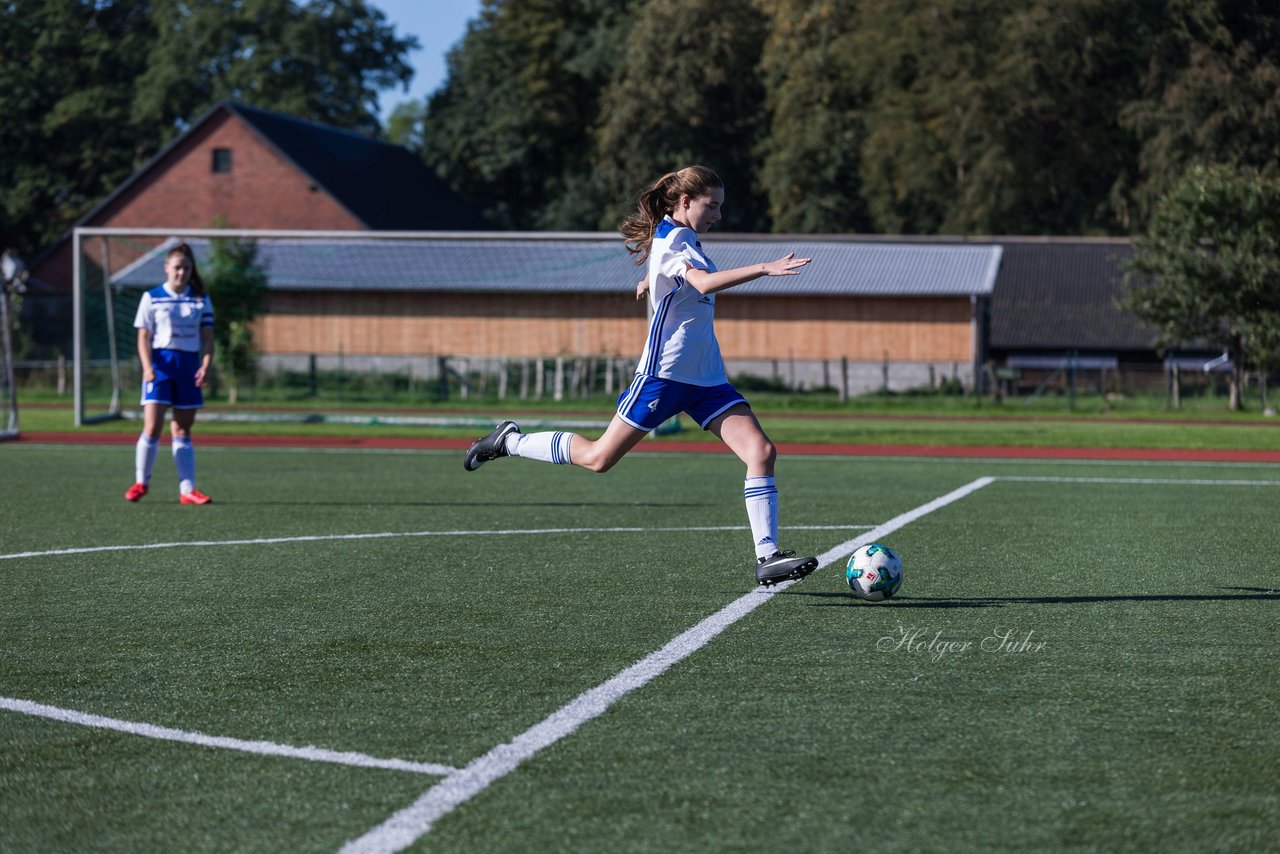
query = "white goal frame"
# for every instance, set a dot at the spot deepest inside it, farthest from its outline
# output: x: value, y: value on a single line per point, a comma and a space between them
x: 81, y: 234
x: 9, y: 399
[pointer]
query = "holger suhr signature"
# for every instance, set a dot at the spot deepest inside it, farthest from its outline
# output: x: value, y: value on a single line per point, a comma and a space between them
x: 922, y: 640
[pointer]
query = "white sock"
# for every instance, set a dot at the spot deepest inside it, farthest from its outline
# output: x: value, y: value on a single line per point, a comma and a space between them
x: 184, y: 458
x: 761, y: 496
x: 144, y: 458
x: 550, y: 447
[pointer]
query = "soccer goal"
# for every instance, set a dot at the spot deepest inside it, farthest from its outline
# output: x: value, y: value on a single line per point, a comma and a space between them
x: 372, y: 316
x: 112, y: 268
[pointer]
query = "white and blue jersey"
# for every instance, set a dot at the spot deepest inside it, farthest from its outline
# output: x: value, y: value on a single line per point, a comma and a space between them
x: 681, y: 369
x: 174, y: 320
x: 682, y: 344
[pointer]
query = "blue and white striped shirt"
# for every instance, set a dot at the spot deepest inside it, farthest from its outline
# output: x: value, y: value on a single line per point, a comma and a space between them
x: 682, y: 342
x: 174, y: 320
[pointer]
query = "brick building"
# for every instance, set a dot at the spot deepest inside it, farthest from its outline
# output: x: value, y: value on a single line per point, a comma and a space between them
x: 244, y: 167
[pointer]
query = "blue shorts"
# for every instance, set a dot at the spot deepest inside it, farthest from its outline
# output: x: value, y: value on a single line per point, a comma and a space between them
x: 649, y: 401
x: 175, y: 382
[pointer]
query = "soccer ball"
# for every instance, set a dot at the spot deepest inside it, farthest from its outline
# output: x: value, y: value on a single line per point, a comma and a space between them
x: 874, y: 573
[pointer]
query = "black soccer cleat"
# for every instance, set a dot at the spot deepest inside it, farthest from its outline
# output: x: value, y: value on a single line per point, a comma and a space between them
x: 783, y: 566
x: 490, y: 447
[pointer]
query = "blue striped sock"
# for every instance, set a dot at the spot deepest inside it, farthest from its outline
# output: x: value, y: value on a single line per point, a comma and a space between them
x: 761, y: 495
x: 549, y: 447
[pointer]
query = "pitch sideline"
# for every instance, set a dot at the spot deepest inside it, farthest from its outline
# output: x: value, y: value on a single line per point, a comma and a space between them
x: 262, y: 748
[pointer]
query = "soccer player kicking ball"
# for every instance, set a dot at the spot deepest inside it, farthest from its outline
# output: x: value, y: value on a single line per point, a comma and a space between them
x: 680, y: 368
x: 175, y: 346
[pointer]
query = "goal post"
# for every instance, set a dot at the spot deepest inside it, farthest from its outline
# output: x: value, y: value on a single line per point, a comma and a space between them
x: 8, y: 382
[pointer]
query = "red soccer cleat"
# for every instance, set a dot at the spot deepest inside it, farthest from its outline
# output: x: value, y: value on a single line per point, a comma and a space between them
x: 195, y: 496
x: 135, y: 492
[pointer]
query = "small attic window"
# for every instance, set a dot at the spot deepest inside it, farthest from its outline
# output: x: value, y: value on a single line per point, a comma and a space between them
x: 222, y: 160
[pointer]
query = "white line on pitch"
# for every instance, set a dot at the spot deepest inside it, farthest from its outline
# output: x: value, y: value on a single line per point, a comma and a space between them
x: 383, y: 535
x: 265, y: 748
x: 409, y: 824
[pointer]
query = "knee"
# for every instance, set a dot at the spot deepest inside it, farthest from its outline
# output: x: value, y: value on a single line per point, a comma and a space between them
x: 597, y: 464
x: 763, y: 455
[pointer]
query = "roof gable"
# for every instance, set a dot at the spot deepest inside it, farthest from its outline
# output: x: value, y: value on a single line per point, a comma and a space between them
x: 385, y: 186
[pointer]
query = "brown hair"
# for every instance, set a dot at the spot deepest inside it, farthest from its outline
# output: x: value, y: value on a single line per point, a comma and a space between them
x: 660, y: 200
x: 195, y: 282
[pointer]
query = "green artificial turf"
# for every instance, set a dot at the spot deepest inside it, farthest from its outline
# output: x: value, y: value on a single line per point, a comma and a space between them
x: 1250, y: 431
x: 1130, y: 705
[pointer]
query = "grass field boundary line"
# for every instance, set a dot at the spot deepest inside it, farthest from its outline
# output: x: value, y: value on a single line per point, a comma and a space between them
x: 1159, y: 481
x: 659, y: 454
x: 408, y: 825
x: 262, y: 748
x: 382, y: 535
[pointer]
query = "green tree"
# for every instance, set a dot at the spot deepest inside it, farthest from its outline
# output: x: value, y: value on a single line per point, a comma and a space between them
x: 1208, y: 94
x: 90, y: 90
x: 405, y: 124
x: 237, y: 284
x: 810, y: 153
x: 511, y: 127
x: 324, y: 60
x: 688, y: 90
x: 66, y: 139
x: 998, y: 116
x: 1208, y: 267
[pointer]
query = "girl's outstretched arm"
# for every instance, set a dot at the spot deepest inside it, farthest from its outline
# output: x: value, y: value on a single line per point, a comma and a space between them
x: 709, y: 283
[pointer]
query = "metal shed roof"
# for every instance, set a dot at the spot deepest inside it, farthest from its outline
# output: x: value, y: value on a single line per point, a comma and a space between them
x: 593, y: 264
x: 1063, y: 296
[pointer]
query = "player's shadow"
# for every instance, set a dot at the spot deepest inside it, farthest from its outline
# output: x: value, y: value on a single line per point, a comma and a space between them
x: 846, y: 600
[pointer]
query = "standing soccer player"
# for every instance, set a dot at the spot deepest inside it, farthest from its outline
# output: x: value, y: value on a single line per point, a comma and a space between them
x: 680, y: 369
x: 175, y: 346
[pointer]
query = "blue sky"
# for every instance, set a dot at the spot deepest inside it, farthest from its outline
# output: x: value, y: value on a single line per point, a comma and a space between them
x: 439, y: 25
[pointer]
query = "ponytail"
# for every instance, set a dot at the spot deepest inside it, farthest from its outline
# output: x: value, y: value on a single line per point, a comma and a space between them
x: 658, y: 201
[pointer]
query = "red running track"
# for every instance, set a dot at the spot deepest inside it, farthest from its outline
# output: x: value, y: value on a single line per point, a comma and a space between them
x: 989, y: 451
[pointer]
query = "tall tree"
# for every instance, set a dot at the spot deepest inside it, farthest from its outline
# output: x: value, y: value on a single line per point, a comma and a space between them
x: 66, y: 76
x: 510, y: 129
x: 1208, y: 267
x: 89, y: 90
x: 324, y: 60
x: 1210, y: 93
x: 687, y: 91
x: 810, y: 153
x: 997, y: 116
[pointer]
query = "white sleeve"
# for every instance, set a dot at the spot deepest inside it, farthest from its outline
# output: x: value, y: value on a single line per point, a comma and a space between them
x: 144, y: 319
x: 682, y: 254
